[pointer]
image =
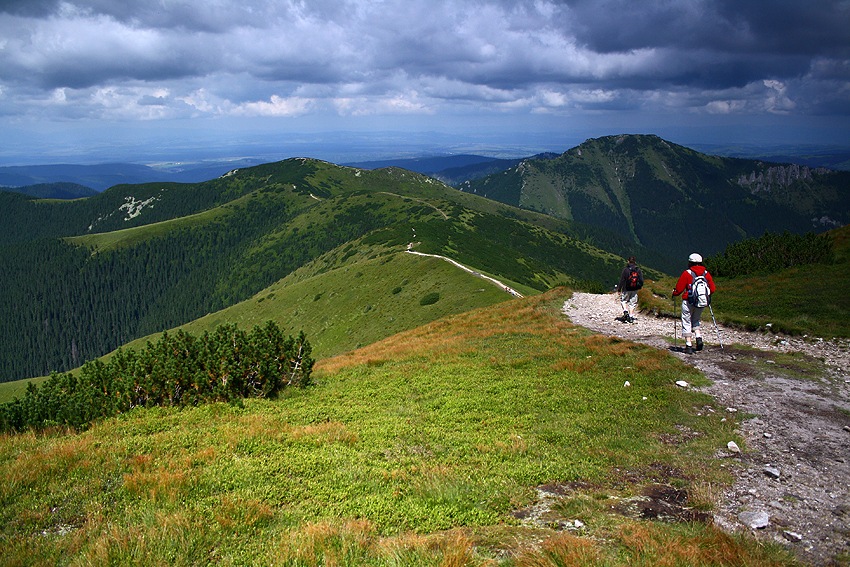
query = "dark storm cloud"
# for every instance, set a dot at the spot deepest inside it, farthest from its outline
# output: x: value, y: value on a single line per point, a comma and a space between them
x: 793, y: 27
x: 724, y: 43
x: 422, y: 56
x: 35, y: 8
x: 723, y: 26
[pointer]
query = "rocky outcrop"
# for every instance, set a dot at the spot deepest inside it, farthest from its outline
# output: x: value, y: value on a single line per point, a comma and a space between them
x: 778, y: 176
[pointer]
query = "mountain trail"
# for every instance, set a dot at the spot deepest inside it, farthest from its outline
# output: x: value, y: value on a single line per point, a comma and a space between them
x: 792, y: 477
x: 506, y: 288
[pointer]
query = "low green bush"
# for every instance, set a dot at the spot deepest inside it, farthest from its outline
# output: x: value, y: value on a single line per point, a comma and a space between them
x: 429, y: 298
x: 178, y: 370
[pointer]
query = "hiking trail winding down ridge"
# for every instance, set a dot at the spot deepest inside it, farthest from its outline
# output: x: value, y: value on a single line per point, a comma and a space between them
x: 792, y: 477
x: 506, y: 288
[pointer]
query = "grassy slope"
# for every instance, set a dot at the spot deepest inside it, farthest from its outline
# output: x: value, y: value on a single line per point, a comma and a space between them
x: 342, y: 304
x: 414, y: 451
x: 17, y: 388
x: 355, y: 304
x: 805, y: 300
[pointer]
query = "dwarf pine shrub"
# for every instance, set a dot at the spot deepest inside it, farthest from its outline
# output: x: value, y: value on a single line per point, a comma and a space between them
x: 429, y: 298
x: 177, y: 370
x: 771, y: 252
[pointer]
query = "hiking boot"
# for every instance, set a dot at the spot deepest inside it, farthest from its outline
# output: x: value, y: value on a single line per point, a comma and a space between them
x: 699, y: 343
x: 689, y: 349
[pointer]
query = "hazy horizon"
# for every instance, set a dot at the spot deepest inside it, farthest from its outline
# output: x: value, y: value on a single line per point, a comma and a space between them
x: 347, y: 147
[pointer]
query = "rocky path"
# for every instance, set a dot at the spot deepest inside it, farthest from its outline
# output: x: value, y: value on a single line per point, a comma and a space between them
x: 793, y: 473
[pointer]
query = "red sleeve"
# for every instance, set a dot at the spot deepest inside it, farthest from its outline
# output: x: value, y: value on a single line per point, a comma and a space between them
x: 682, y: 284
x: 710, y: 281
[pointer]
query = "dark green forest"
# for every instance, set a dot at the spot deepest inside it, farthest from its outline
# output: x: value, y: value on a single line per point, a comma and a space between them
x: 65, y: 305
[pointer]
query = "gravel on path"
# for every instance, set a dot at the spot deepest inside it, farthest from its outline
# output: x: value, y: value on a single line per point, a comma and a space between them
x: 792, y: 482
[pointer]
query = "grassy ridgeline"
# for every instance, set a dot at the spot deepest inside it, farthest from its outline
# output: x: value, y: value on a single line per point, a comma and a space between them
x: 415, y: 450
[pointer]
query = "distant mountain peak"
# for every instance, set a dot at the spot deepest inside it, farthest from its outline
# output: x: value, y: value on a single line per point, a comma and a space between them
x: 667, y: 197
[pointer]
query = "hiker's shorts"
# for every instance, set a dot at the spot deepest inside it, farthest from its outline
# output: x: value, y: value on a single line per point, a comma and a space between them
x: 690, y: 318
x: 629, y: 298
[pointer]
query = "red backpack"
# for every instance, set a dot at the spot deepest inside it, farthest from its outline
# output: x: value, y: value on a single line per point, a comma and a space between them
x: 634, y: 281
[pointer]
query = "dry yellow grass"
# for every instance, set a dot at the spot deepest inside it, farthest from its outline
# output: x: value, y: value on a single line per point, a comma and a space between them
x: 235, y: 512
x: 456, y: 334
x: 562, y: 550
x: 60, y: 454
x: 326, y: 432
x: 652, y: 544
x: 157, y: 484
x: 326, y: 544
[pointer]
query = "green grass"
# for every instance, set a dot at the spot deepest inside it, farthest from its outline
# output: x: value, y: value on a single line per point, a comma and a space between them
x: 355, y: 302
x: 802, y: 300
x: 414, y: 450
x: 17, y: 389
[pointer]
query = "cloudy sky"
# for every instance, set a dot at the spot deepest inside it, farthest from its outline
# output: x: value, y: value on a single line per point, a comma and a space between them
x: 90, y: 75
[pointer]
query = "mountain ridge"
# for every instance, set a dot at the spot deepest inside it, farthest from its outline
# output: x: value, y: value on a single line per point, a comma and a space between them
x: 65, y: 190
x: 136, y: 260
x: 104, y: 175
x: 660, y: 194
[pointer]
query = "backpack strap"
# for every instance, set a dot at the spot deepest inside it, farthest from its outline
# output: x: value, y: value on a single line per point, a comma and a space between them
x: 689, y: 287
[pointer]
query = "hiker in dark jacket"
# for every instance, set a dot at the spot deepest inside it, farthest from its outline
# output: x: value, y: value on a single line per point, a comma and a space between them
x: 690, y: 313
x: 631, y: 280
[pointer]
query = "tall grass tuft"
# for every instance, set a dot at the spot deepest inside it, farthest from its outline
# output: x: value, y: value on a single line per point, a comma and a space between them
x: 564, y: 550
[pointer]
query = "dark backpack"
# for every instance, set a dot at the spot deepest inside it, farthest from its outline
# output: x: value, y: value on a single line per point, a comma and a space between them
x: 634, y: 281
x: 699, y: 294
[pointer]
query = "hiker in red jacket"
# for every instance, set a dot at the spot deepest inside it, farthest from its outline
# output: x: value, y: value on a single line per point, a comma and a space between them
x: 696, y: 286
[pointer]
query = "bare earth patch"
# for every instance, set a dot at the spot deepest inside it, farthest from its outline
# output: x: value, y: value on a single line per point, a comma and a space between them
x: 793, y: 396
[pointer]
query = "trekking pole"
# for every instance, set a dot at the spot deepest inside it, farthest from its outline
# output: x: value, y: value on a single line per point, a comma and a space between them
x: 716, y: 330
x: 675, y: 327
